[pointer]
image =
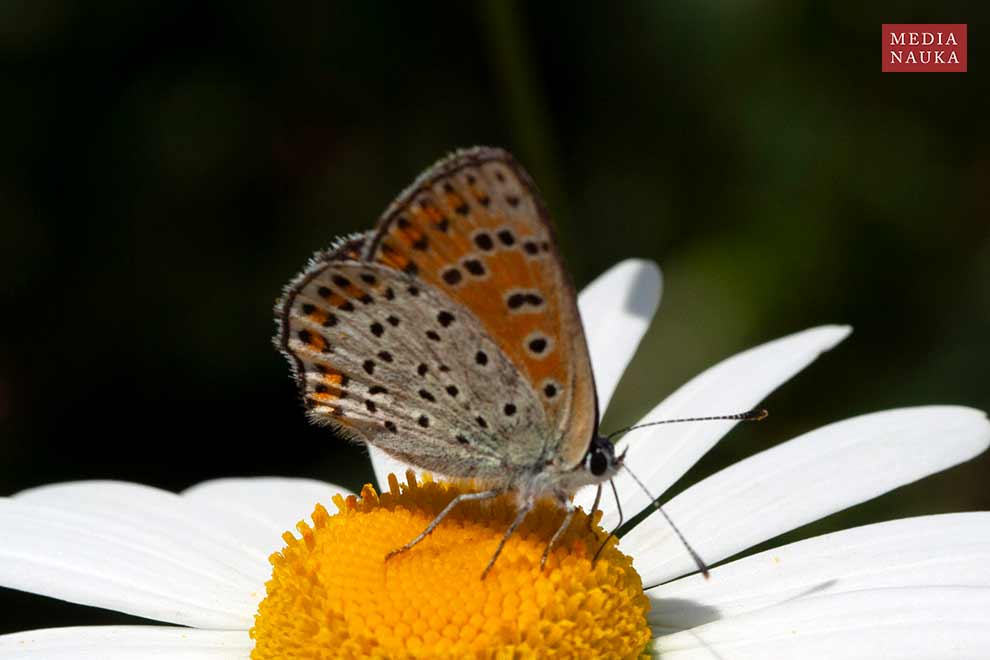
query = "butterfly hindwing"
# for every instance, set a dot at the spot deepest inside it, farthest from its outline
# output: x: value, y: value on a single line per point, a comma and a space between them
x: 397, y: 363
x: 474, y: 228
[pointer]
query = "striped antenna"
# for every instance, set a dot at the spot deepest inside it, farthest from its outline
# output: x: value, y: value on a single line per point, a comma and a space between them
x: 754, y: 415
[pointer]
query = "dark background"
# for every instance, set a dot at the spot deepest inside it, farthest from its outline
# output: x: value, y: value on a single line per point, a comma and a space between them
x: 166, y: 168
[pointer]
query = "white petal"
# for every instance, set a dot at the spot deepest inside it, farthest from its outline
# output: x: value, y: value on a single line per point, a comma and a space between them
x: 152, y: 508
x: 200, y: 526
x: 805, y: 479
x: 126, y: 643
x: 263, y: 508
x: 926, y: 623
x: 616, y: 310
x: 133, y: 549
x: 661, y: 455
x: 385, y: 465
x: 944, y: 550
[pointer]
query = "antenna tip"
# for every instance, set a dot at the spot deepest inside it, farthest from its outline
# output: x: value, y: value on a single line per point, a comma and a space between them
x: 706, y: 574
x: 757, y: 414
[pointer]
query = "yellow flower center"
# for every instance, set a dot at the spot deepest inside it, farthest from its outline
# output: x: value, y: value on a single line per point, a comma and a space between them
x: 333, y: 595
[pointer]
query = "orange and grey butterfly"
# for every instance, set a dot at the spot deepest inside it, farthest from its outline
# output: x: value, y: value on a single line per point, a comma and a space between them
x: 449, y: 336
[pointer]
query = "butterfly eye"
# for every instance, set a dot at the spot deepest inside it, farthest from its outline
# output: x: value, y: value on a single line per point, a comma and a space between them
x: 597, y: 462
x: 600, y: 458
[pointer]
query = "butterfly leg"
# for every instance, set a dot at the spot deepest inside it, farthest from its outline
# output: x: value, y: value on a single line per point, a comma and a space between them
x: 618, y: 525
x: 594, y: 507
x: 570, y: 508
x: 463, y: 497
x: 524, y: 509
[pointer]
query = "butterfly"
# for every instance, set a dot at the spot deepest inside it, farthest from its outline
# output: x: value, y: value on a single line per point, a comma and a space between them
x: 449, y: 337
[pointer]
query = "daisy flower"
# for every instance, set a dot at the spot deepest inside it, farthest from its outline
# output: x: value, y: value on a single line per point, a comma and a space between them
x: 216, y: 562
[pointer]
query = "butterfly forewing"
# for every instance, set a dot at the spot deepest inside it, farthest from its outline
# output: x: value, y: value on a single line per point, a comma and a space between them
x: 474, y: 228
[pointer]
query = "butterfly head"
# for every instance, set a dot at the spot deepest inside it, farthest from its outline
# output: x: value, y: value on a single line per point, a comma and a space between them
x: 599, y: 464
x: 600, y: 461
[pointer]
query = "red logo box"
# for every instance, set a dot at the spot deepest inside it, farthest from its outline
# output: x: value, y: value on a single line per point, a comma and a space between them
x: 923, y: 47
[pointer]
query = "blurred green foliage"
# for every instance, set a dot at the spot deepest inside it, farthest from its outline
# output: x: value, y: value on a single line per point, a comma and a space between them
x: 167, y: 167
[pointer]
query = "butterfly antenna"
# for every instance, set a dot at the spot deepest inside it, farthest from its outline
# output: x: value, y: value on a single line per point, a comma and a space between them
x: 754, y: 415
x: 656, y: 505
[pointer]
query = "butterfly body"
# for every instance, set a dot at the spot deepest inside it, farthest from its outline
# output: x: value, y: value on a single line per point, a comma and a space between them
x: 449, y: 336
